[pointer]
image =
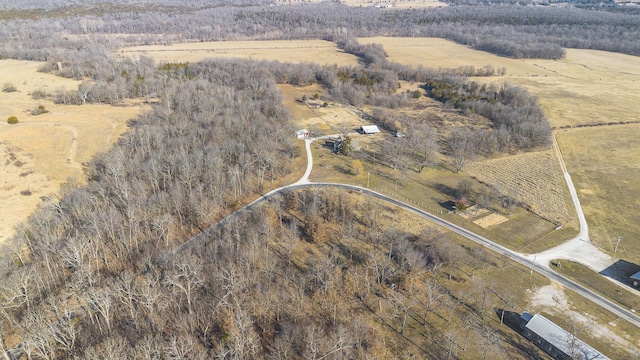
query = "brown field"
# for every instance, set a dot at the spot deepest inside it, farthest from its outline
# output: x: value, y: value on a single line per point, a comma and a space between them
x: 490, y: 220
x: 42, y: 152
x: 313, y: 116
x: 532, y: 178
x: 296, y: 51
x: 586, y: 87
x: 395, y: 4
x: 604, y: 163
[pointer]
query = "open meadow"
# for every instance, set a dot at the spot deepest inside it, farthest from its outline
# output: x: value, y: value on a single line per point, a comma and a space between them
x: 41, y: 152
x: 296, y: 51
x: 605, y: 167
x: 585, y: 87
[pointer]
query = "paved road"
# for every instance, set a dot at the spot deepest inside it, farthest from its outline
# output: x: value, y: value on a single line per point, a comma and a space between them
x: 518, y: 257
x: 526, y: 260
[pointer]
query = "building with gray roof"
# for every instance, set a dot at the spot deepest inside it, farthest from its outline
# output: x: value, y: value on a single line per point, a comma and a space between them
x: 555, y: 341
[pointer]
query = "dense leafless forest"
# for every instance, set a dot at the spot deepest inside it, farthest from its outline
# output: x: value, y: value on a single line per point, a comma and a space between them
x: 96, y: 272
x: 514, y: 31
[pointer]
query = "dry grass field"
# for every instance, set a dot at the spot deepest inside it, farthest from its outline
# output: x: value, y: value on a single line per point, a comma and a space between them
x: 296, y: 51
x: 320, y: 120
x: 533, y: 178
x: 394, y: 4
x: 604, y: 163
x: 42, y: 152
x: 585, y: 87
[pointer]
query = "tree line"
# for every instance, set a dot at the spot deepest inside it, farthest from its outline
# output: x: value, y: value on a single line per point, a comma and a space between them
x: 513, y: 31
x: 516, y: 117
x: 517, y: 122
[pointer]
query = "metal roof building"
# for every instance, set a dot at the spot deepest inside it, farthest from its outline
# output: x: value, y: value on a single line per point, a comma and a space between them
x: 635, y: 279
x: 556, y: 341
x: 369, y: 129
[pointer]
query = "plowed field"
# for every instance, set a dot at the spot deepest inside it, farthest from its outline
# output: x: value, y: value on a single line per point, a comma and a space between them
x: 532, y: 178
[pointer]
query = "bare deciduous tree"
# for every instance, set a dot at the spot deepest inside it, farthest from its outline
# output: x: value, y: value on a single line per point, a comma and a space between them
x: 185, y: 277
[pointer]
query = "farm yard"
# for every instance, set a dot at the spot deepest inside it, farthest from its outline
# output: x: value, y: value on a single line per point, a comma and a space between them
x: 313, y: 115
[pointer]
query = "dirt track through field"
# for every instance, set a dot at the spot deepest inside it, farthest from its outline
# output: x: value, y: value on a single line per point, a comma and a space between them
x: 73, y: 148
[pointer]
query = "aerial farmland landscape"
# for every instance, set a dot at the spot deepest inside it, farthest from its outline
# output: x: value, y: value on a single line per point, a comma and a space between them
x: 251, y: 179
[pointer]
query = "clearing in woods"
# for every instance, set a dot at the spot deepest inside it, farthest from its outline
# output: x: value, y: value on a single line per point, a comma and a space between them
x: 320, y: 120
x: 385, y: 4
x: 296, y: 51
x: 42, y: 152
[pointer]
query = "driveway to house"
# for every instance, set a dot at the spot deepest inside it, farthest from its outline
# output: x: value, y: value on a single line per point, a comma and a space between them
x: 305, y: 178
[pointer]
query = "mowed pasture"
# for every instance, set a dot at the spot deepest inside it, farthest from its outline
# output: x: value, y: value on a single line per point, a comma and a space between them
x: 42, y: 152
x: 585, y: 87
x: 296, y: 51
x: 604, y: 163
x: 318, y: 119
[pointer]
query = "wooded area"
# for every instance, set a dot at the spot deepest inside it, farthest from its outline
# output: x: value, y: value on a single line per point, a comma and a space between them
x: 514, y: 31
x: 99, y: 271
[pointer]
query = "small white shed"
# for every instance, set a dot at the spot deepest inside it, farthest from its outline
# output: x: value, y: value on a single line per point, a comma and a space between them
x: 369, y: 129
x: 302, y: 134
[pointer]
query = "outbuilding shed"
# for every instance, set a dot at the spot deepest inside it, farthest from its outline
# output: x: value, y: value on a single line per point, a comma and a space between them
x: 556, y: 341
x: 635, y: 280
x: 369, y: 129
x: 302, y: 133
